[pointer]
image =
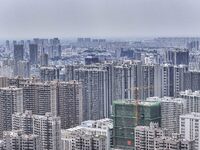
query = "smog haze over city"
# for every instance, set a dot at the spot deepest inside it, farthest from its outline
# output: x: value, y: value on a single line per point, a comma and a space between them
x: 99, y: 75
x: 99, y: 18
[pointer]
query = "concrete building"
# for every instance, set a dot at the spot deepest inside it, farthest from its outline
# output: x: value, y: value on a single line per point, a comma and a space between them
x: 189, y: 128
x: 49, y: 73
x: 145, y: 135
x: 3, y: 81
x: 170, y: 109
x: 95, y: 98
x: 11, y: 101
x: 90, y: 135
x: 40, y: 97
x: 23, y: 121
x: 192, y: 80
x: 127, y: 114
x: 70, y: 104
x: 192, y: 100
x: 48, y: 128
x: 173, y: 143
x: 17, y: 140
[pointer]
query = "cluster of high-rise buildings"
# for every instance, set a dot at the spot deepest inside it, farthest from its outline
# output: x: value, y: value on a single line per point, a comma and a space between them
x: 95, y: 94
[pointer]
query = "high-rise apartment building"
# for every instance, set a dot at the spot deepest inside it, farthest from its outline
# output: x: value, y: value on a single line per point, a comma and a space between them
x: 23, y: 121
x: 48, y: 128
x: 175, y: 142
x: 17, y: 140
x: 11, y: 101
x: 40, y: 97
x: 90, y: 135
x: 192, y: 100
x: 189, y: 128
x: 145, y: 135
x: 70, y: 103
x: 171, y: 109
x: 49, y: 73
x: 95, y: 98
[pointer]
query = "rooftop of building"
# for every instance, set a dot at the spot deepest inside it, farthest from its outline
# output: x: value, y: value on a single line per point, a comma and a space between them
x: 193, y: 115
x: 133, y: 102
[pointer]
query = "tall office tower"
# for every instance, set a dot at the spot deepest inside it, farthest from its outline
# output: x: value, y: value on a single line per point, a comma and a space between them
x: 22, y: 68
x: 3, y: 81
x: 17, y: 140
x: 44, y: 59
x: 171, y: 109
x: 48, y: 128
x: 23, y: 121
x: 189, y: 128
x: 127, y: 114
x: 55, y: 48
x: 94, y: 83
x: 18, y: 52
x: 192, y: 80
x: 144, y: 136
x: 173, y: 143
x: 179, y: 78
x: 40, y: 97
x: 49, y: 73
x: 177, y: 56
x: 192, y: 100
x: 91, y: 135
x: 33, y: 52
x: 70, y: 104
x: 11, y: 101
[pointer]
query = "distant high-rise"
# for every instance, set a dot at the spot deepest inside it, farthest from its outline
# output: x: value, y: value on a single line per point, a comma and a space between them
x: 177, y: 57
x: 44, y: 59
x: 70, y: 104
x: 11, y: 101
x: 49, y: 73
x: 18, y: 52
x: 33, y: 52
x: 192, y: 80
x: 22, y: 68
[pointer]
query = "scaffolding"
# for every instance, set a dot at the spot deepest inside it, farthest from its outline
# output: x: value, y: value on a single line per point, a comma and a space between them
x: 125, y: 117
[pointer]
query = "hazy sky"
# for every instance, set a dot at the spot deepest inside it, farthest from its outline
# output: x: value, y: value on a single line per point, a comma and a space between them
x: 102, y: 18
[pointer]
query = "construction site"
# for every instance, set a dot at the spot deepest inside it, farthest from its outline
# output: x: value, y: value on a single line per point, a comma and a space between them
x: 127, y: 114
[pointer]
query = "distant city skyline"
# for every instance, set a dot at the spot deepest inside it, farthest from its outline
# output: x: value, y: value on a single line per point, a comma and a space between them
x: 98, y: 18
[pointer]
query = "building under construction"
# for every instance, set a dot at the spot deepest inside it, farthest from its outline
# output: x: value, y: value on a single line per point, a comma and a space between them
x: 127, y: 114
